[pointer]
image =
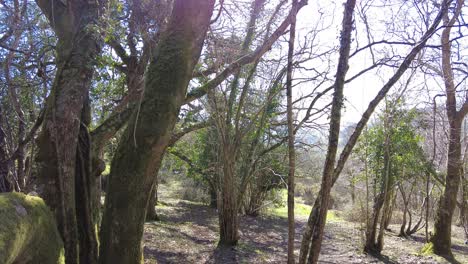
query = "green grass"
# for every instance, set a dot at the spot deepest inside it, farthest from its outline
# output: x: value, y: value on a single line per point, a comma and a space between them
x: 301, y: 210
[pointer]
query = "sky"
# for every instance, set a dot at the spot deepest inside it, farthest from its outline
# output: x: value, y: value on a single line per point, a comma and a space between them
x: 361, y: 91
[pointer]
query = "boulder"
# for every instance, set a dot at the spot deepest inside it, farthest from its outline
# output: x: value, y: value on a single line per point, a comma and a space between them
x: 28, y: 233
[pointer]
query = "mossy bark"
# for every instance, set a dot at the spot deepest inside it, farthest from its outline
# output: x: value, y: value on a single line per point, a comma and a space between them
x: 143, y: 143
x: 28, y: 233
x: 78, y: 46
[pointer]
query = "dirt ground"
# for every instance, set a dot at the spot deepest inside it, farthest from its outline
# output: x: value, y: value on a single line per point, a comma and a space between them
x: 188, y: 234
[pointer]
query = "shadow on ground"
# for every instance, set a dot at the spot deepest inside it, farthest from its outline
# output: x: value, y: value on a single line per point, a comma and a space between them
x: 188, y: 233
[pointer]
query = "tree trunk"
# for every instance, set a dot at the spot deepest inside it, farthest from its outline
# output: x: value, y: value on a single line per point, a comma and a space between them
x: 310, y: 228
x: 228, y: 218
x: 389, y: 212
x: 77, y: 48
x: 5, y: 184
x: 139, y: 154
x: 291, y: 149
x: 334, y: 132
x: 371, y: 231
x: 447, y: 203
x: 405, y: 209
x: 151, y: 214
x: 86, y: 188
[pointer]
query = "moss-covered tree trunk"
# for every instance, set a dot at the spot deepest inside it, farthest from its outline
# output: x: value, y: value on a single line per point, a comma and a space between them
x: 78, y: 46
x: 149, y: 131
x: 448, y: 201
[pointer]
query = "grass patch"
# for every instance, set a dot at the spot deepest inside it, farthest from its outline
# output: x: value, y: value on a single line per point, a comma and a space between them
x: 427, y: 249
x: 301, y: 210
x: 332, y: 216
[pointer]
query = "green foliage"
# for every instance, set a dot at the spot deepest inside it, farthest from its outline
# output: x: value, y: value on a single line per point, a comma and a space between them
x: 407, y: 157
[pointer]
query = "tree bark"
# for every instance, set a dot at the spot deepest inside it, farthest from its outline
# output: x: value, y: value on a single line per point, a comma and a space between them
x: 334, y: 132
x: 149, y: 131
x: 87, y: 212
x: 77, y: 48
x: 151, y: 214
x: 447, y: 203
x: 291, y: 149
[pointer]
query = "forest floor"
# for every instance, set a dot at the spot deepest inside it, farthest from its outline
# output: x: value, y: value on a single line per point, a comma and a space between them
x: 188, y: 233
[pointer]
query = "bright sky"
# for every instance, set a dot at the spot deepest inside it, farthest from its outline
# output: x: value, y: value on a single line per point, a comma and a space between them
x: 362, y: 90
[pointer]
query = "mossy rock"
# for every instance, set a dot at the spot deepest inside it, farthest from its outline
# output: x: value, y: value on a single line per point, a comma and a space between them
x: 28, y: 233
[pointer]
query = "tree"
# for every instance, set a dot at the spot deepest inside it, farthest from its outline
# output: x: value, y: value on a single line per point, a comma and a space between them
x: 312, y: 223
x: 443, y: 224
x: 62, y: 166
x: 399, y: 158
x: 149, y: 131
x: 291, y: 150
x: 334, y: 132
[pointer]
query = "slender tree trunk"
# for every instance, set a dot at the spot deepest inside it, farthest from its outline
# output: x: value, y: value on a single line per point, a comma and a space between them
x: 310, y: 228
x: 14, y: 97
x: 151, y: 214
x: 291, y: 149
x: 405, y: 209
x: 86, y: 189
x: 334, y: 132
x: 371, y: 232
x: 138, y: 156
x: 5, y: 184
x: 447, y: 203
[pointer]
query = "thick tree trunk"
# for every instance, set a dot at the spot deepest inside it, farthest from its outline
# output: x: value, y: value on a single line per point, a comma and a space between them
x: 149, y: 131
x: 228, y: 211
x: 77, y: 49
x: 447, y: 203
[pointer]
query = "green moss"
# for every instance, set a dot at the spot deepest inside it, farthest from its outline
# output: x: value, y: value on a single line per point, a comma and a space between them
x: 28, y: 233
